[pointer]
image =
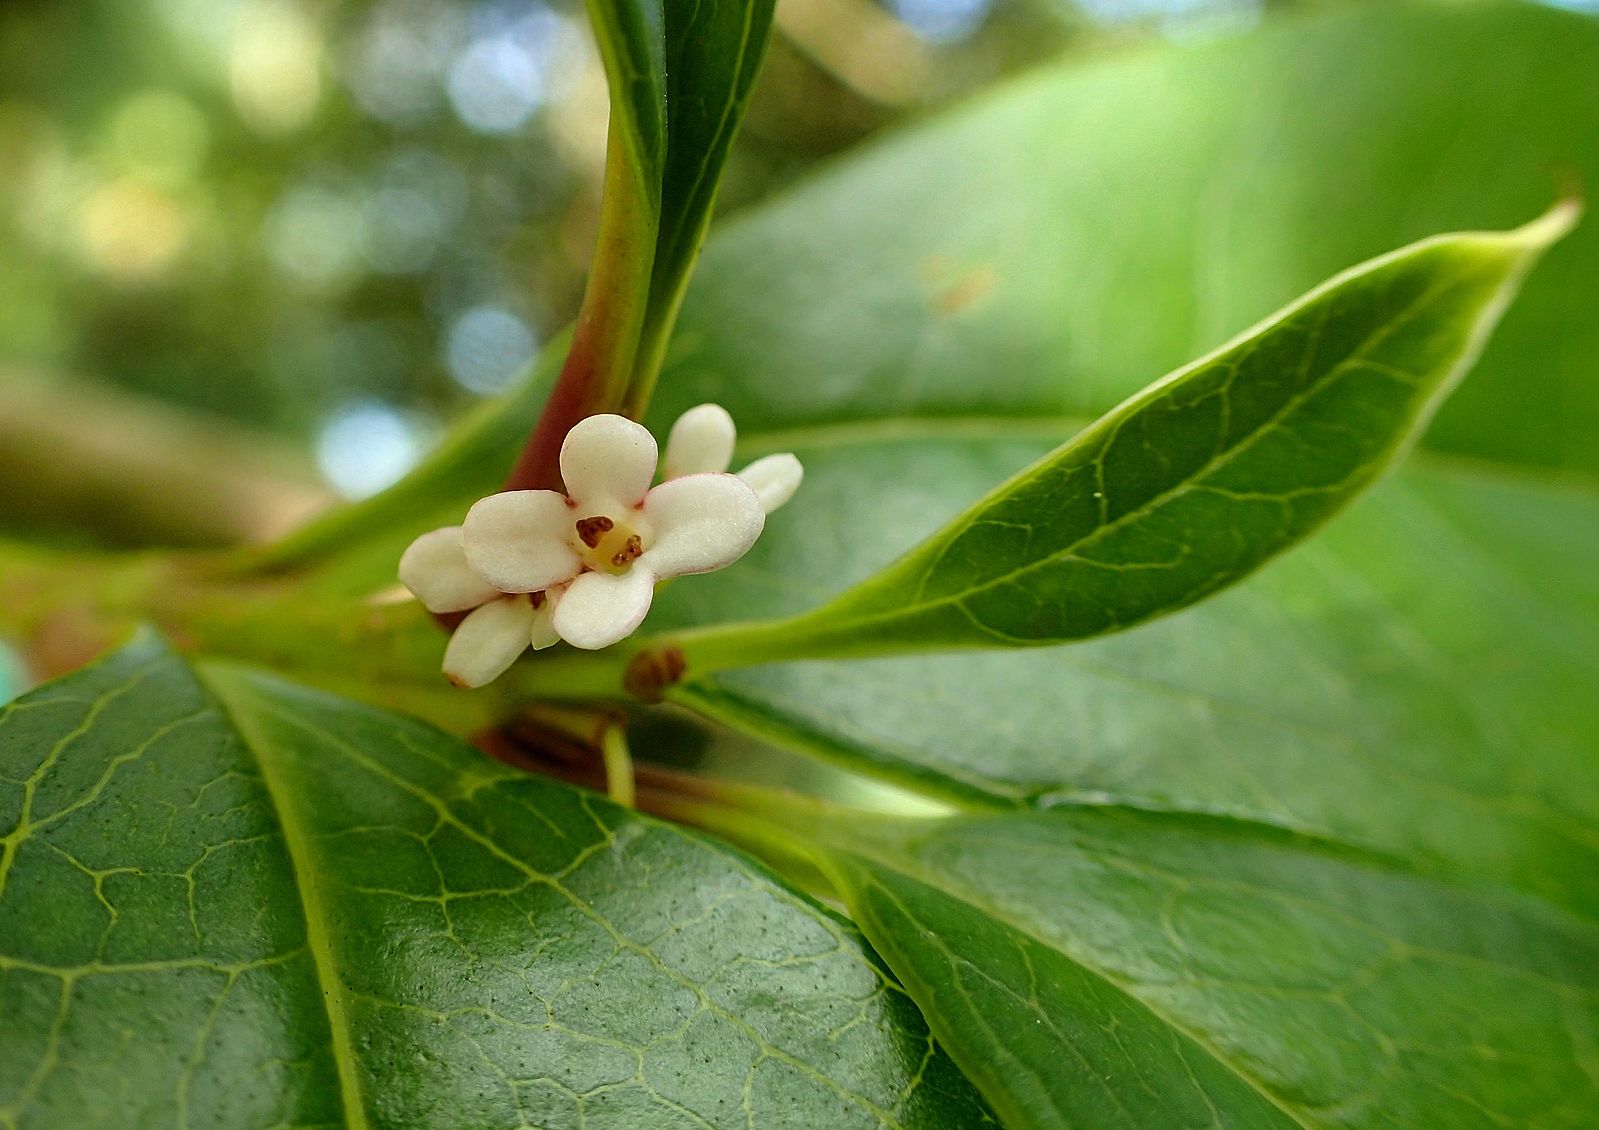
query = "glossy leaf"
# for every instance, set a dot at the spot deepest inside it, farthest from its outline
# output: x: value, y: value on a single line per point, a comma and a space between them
x: 231, y: 902
x: 1417, y: 679
x: 1048, y: 248
x: 1105, y: 969
x: 1192, y: 484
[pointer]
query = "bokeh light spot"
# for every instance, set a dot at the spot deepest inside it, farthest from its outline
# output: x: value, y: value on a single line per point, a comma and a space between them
x: 161, y: 135
x: 418, y: 199
x: 13, y: 675
x: 367, y: 445
x: 942, y: 21
x: 131, y: 230
x: 398, y: 57
x: 275, y: 66
x: 487, y: 348
x: 314, y: 234
x: 495, y: 85
x: 1181, y: 19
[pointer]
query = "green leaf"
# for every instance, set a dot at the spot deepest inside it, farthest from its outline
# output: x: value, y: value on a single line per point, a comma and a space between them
x: 230, y: 902
x: 714, y: 50
x: 1417, y: 679
x: 1046, y: 249
x: 680, y: 75
x: 1113, y: 221
x: 1192, y: 484
x: 631, y: 39
x: 1106, y: 969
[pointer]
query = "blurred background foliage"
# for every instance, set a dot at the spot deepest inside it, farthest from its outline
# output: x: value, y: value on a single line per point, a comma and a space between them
x: 341, y: 222
x: 323, y: 229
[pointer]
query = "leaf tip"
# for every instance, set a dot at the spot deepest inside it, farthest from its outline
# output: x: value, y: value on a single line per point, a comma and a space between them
x: 1551, y: 227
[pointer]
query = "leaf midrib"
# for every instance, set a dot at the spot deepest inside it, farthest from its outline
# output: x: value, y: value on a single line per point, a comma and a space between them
x: 1181, y: 1030
x: 291, y: 821
x: 1355, y: 358
x: 864, y: 849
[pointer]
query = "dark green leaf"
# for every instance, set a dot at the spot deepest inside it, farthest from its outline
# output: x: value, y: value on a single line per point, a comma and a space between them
x: 1192, y: 484
x: 713, y: 52
x: 1109, y: 969
x: 236, y: 903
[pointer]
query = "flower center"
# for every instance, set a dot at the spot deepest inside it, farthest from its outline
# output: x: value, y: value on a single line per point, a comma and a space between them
x: 606, y: 545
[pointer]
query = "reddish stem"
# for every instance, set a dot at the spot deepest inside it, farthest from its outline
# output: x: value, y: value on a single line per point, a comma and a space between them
x: 599, y: 366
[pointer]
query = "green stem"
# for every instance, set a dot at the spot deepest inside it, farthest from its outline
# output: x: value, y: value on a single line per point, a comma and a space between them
x: 64, y: 609
x: 775, y: 825
x: 613, y: 674
x: 619, y: 782
x: 112, y: 468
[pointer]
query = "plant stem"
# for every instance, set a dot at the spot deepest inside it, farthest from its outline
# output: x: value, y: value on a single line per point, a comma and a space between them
x: 611, y: 674
x: 596, y: 375
x: 81, y: 457
x: 619, y: 784
x: 766, y: 822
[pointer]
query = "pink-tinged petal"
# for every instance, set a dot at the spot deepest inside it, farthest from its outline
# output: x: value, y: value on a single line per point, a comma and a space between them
x: 543, y: 633
x: 488, y: 641
x: 774, y: 479
x: 517, y: 540
x: 605, y: 460
x: 434, y: 568
x: 700, y: 523
x: 599, y: 609
x: 700, y: 441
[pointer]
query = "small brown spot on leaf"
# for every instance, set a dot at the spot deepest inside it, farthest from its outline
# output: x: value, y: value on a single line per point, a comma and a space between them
x: 591, y: 530
x: 966, y: 290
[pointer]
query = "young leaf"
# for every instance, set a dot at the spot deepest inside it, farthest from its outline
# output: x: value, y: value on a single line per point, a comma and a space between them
x: 713, y: 52
x: 1103, y: 969
x: 1192, y: 484
x: 680, y: 75
x: 232, y: 902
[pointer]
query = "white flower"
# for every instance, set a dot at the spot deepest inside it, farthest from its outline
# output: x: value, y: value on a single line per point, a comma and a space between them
x: 610, y: 538
x: 702, y: 440
x: 500, y: 626
x: 537, y: 566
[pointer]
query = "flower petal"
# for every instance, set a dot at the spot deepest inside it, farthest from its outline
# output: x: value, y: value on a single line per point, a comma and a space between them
x: 607, y: 459
x: 701, y: 440
x: 434, y: 568
x: 517, y: 540
x: 599, y: 609
x: 774, y: 479
x: 543, y: 633
x: 700, y: 523
x: 488, y: 641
